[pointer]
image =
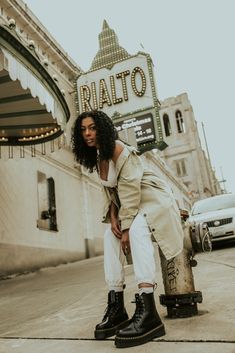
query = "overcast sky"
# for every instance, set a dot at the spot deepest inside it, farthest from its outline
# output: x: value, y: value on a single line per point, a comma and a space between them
x: 191, y: 43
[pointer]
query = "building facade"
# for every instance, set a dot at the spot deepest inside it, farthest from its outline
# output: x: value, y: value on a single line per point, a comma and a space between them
x: 42, y: 192
x: 49, y: 206
x: 184, y: 154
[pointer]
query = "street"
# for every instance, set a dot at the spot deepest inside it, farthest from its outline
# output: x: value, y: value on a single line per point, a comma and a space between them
x: 54, y: 310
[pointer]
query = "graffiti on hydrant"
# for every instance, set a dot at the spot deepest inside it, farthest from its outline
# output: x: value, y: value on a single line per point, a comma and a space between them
x: 172, y: 274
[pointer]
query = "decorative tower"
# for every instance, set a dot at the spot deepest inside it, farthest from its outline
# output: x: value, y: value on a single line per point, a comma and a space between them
x: 110, y: 52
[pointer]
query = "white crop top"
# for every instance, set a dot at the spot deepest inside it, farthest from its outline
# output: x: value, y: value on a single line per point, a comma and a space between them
x: 112, y: 176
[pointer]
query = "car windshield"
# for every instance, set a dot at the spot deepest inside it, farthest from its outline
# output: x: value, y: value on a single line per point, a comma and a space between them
x: 213, y: 204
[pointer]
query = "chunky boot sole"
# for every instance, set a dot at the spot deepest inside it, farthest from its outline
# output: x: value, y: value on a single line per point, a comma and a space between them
x: 102, y: 334
x: 123, y: 342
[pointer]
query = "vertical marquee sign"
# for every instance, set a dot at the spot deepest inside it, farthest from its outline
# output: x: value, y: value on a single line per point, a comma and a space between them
x: 125, y: 92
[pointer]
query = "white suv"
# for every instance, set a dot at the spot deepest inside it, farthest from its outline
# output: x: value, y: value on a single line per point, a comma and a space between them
x: 218, y: 212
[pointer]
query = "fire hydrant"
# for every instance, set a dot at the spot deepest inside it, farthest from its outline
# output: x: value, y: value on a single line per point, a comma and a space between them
x: 180, y: 296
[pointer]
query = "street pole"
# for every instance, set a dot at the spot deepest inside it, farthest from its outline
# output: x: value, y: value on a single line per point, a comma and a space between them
x: 207, y: 149
x: 223, y: 181
x: 211, y: 177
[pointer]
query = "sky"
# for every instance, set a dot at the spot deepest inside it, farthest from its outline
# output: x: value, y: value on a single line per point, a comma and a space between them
x: 191, y: 43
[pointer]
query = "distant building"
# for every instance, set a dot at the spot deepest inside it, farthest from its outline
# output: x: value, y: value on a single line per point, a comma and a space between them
x: 184, y: 154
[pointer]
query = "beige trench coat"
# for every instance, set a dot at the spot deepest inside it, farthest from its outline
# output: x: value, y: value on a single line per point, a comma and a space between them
x: 141, y: 191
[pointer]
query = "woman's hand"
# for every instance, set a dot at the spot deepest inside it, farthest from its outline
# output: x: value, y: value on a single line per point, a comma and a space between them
x: 115, y: 227
x: 125, y: 242
x: 115, y: 224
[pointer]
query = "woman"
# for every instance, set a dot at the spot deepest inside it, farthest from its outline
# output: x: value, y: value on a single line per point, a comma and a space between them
x: 139, y: 207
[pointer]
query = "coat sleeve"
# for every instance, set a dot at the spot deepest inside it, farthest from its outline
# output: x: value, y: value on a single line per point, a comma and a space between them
x: 109, y: 195
x: 129, y: 189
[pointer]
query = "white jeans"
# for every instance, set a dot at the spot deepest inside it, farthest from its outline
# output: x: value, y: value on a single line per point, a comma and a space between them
x: 142, y: 251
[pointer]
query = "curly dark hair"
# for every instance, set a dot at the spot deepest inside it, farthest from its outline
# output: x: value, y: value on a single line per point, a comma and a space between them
x: 106, y: 134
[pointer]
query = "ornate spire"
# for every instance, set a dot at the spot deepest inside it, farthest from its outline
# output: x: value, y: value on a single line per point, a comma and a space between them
x: 110, y: 51
x: 105, y: 25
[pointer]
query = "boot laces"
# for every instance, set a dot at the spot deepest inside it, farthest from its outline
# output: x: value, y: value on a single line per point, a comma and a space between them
x: 111, y: 309
x: 139, y: 310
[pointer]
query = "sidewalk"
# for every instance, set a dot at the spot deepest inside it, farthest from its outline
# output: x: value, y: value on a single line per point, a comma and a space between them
x: 55, y: 310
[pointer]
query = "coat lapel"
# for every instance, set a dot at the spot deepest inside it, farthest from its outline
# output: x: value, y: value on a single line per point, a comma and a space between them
x: 123, y: 157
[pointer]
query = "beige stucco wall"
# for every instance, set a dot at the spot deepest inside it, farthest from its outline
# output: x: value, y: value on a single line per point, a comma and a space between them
x: 78, y: 199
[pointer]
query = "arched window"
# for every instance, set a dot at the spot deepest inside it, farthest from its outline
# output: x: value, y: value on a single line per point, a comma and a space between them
x: 167, y: 125
x: 179, y: 121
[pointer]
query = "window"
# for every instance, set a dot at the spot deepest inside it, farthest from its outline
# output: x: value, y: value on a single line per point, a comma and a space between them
x: 180, y: 168
x: 167, y: 125
x: 46, y: 203
x: 179, y: 121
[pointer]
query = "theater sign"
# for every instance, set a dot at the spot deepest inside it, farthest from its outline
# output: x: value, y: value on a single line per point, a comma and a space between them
x: 125, y: 92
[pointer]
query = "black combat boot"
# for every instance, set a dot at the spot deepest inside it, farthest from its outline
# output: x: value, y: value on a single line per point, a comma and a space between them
x: 115, y: 316
x: 144, y: 325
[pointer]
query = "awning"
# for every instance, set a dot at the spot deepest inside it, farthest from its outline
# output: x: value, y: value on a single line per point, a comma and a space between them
x: 30, y: 111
